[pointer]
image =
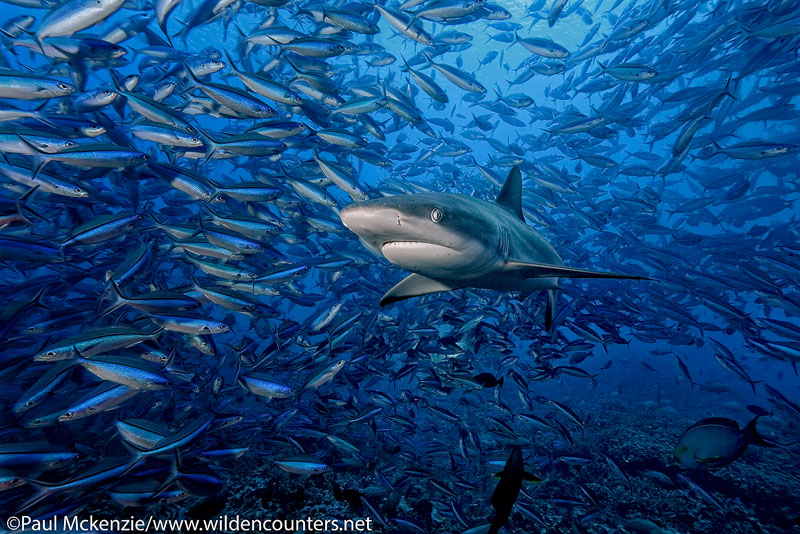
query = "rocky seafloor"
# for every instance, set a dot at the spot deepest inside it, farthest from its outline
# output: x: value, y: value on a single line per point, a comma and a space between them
x: 758, y: 494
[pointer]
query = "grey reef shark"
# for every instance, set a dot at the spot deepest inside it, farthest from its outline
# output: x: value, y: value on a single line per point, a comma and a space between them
x: 451, y: 241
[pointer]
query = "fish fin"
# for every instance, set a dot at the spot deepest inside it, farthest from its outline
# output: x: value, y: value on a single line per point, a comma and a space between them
x: 414, y: 285
x: 531, y: 478
x: 544, y: 270
x: 510, y: 196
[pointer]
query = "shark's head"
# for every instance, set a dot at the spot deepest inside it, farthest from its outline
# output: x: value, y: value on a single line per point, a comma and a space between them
x: 438, y: 235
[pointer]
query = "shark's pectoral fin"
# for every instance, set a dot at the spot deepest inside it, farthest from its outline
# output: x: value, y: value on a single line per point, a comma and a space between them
x: 414, y: 285
x: 544, y: 270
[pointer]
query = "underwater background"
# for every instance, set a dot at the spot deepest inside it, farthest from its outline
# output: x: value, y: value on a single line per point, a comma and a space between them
x: 189, y: 331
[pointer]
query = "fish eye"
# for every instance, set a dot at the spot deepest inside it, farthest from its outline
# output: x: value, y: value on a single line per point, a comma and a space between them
x: 68, y: 415
x: 50, y: 354
x: 436, y: 215
x: 29, y: 403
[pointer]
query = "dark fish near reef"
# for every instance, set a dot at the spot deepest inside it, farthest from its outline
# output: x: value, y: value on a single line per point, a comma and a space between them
x: 508, y: 488
x: 716, y: 442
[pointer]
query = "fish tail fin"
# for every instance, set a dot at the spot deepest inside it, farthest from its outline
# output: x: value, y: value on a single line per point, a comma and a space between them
x: 152, y: 215
x: 727, y: 90
x: 118, y: 302
x: 212, y: 144
x: 43, y: 490
x: 167, y: 35
x: 195, y: 283
x: 38, y: 159
x: 138, y: 453
x: 22, y: 206
x: 497, y: 92
x: 752, y: 435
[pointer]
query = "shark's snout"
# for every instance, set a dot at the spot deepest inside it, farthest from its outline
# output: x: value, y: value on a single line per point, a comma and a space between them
x: 348, y: 214
x: 368, y: 219
x: 357, y: 218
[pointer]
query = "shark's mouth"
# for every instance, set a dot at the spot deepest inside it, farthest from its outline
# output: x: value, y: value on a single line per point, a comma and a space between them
x: 411, y: 246
x: 419, y: 254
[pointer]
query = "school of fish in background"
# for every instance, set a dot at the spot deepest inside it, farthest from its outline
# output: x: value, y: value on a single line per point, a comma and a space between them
x: 178, y: 293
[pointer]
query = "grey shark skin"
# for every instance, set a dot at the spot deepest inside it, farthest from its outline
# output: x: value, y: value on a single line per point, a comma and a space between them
x: 451, y: 241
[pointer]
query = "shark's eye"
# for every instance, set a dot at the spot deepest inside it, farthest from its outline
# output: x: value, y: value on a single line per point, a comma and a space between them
x: 436, y: 215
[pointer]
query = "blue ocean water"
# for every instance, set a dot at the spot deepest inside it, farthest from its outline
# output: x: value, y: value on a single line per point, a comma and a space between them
x: 193, y: 328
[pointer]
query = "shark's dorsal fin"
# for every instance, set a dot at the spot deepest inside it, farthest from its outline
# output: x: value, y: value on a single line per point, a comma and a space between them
x: 510, y: 196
